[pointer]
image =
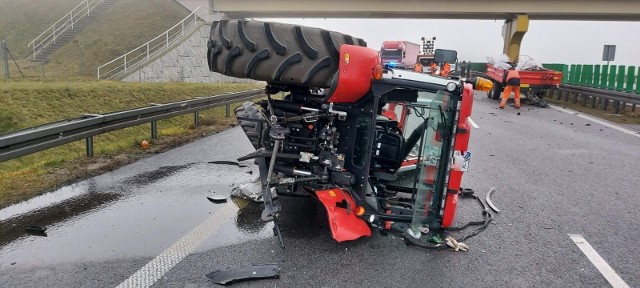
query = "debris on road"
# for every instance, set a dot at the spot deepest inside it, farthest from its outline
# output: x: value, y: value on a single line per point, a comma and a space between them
x: 218, y: 199
x: 488, y: 200
x: 36, y: 230
x: 251, y: 191
x: 254, y: 272
x: 232, y: 163
x: 455, y: 245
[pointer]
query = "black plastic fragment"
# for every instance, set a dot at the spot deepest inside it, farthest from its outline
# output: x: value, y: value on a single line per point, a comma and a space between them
x: 36, y: 230
x: 218, y: 199
x: 253, y: 272
x: 227, y: 163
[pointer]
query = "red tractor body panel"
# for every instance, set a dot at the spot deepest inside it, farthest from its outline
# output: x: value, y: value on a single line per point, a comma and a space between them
x: 460, y: 148
x: 344, y: 223
x: 354, y: 73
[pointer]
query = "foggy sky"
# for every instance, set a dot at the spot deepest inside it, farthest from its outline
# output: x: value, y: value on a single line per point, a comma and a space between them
x: 568, y: 42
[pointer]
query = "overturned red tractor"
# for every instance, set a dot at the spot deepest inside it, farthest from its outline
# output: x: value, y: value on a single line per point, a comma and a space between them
x: 379, y: 148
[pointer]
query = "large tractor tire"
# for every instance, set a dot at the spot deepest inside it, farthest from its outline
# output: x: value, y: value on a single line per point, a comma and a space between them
x: 252, y: 123
x: 275, y: 52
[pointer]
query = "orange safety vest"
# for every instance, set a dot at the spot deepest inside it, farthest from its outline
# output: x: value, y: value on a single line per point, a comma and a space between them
x: 434, y: 67
x: 513, y: 78
x: 417, y: 68
x: 445, y: 70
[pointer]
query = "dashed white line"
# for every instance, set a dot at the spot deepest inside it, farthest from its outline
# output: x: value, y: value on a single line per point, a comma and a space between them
x: 602, y: 265
x: 596, y: 120
x: 156, y: 268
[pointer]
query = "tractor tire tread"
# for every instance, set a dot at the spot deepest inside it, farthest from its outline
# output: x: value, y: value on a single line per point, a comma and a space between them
x: 277, y: 53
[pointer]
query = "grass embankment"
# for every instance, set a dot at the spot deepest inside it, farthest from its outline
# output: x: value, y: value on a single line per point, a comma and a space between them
x: 625, y: 117
x: 26, y: 104
x: 22, y: 20
x: 126, y: 25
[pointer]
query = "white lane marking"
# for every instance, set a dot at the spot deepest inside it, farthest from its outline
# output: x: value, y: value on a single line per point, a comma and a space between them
x: 473, y: 123
x: 596, y: 120
x: 156, y: 268
x: 602, y: 265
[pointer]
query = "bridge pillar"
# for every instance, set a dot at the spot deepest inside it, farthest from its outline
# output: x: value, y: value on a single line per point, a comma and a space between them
x: 513, y: 31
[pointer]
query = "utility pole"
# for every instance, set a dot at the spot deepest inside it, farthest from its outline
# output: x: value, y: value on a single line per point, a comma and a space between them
x: 5, y: 59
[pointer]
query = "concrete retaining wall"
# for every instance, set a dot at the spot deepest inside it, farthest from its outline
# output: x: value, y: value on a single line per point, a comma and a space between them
x: 184, y: 62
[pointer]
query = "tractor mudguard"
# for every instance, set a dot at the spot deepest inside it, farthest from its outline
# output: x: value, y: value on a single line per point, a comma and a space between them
x: 344, y: 223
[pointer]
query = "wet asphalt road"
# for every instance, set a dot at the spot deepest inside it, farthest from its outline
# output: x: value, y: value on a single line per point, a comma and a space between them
x: 555, y: 173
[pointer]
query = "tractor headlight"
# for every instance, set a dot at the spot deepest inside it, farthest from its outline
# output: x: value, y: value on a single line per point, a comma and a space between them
x: 451, y: 86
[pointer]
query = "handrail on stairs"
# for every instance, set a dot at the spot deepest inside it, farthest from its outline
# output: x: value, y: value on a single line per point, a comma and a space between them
x: 147, y: 50
x: 65, y: 23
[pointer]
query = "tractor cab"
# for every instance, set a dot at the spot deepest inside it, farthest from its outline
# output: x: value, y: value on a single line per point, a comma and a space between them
x: 406, y: 139
x: 381, y: 148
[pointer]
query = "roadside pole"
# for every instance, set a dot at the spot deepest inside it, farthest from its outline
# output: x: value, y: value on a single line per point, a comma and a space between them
x: 4, y: 58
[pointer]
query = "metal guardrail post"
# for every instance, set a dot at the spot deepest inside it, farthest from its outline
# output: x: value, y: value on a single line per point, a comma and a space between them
x: 616, y: 106
x: 89, y: 144
x: 196, y: 119
x: 227, y: 110
x: 593, y: 102
x: 154, y: 130
x: 620, y: 80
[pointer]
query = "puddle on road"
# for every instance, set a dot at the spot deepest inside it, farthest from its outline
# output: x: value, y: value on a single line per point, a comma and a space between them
x: 139, y: 216
x: 14, y: 228
x: 149, y: 177
x: 144, y: 214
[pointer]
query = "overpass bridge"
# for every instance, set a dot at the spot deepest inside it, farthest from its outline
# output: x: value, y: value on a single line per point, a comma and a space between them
x: 516, y: 14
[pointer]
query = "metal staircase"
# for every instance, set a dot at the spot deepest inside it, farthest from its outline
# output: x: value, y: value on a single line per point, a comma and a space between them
x: 137, y: 57
x: 65, y: 29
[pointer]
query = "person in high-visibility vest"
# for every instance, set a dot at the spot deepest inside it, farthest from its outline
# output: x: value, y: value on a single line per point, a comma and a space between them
x: 417, y: 68
x: 446, y: 68
x: 513, y: 84
x: 434, y: 68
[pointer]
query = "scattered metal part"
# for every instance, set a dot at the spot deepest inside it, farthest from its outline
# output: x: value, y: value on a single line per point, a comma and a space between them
x: 254, y: 272
x: 228, y: 163
x: 488, y: 200
x: 218, y: 199
x: 271, y: 210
